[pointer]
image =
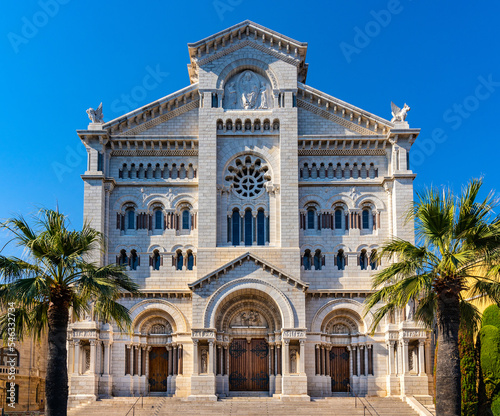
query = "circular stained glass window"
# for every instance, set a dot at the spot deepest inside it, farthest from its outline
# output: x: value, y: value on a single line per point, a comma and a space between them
x: 248, y: 176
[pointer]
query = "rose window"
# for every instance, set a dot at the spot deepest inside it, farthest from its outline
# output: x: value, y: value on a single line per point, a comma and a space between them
x: 248, y: 176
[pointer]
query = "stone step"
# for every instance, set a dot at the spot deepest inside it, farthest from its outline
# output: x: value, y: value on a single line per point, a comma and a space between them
x: 247, y: 406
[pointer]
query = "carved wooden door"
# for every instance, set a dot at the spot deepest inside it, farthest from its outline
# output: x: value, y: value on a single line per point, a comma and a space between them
x: 339, y: 369
x: 249, y: 365
x: 158, y: 369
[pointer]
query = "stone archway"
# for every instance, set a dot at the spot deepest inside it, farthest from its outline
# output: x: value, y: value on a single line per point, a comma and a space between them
x: 251, y: 321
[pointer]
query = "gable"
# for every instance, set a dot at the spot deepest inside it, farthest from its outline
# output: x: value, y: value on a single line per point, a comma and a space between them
x: 311, y: 123
x: 259, y: 263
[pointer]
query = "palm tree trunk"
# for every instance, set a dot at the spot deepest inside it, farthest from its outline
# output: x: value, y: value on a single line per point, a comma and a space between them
x: 56, y: 381
x: 448, y: 376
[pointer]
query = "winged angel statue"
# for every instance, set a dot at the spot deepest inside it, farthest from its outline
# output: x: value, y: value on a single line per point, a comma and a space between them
x: 96, y: 115
x: 399, y: 114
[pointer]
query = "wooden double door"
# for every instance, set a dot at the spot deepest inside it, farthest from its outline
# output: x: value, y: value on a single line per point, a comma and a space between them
x: 158, y: 369
x: 249, y: 365
x: 339, y: 369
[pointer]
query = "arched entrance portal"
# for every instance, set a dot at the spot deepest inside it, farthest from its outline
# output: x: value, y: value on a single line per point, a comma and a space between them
x: 251, y: 324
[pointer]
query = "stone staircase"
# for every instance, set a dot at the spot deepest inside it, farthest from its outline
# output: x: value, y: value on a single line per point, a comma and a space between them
x: 245, y: 406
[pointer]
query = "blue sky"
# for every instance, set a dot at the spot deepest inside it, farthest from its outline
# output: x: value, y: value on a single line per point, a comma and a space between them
x: 62, y: 56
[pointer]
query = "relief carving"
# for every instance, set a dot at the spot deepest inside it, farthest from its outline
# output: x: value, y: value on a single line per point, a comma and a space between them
x: 247, y: 91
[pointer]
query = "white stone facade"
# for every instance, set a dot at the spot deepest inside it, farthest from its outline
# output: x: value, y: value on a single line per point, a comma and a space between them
x: 248, y: 206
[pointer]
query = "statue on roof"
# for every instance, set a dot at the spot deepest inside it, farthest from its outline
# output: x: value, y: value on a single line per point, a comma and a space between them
x: 399, y: 114
x: 96, y: 115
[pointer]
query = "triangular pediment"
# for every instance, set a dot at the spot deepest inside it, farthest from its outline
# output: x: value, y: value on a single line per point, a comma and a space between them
x: 146, y: 118
x: 238, y: 261
x: 247, y: 34
x: 355, y: 120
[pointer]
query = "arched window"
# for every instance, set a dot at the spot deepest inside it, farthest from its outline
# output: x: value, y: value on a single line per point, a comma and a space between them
x: 122, y: 259
x: 261, y: 228
x: 180, y: 260
x: 373, y: 260
x: 366, y: 219
x: 340, y: 260
x: 190, y: 260
x: 363, y: 260
x: 236, y: 227
x: 248, y: 227
x: 338, y: 219
x: 317, y: 260
x: 158, y: 219
x: 9, y: 357
x: 185, y: 219
x: 156, y: 260
x: 131, y: 219
x: 307, y: 260
x: 134, y: 260
x: 311, y: 213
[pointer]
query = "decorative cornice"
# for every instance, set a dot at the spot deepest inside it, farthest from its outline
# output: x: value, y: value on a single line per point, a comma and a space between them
x: 155, y: 153
x: 238, y: 261
x: 342, y: 152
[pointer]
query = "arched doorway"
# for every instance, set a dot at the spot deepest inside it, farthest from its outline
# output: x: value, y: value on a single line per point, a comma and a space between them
x: 251, y: 321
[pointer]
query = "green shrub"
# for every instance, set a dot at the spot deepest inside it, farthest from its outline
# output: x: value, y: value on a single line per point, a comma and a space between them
x: 495, y: 407
x: 491, y: 316
x: 490, y: 361
x: 468, y: 370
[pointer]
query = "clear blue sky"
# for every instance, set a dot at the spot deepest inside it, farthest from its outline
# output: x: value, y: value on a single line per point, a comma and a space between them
x: 60, y: 57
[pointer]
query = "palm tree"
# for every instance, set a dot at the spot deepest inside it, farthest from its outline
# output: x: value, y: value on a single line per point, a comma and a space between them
x: 456, y: 236
x: 56, y: 277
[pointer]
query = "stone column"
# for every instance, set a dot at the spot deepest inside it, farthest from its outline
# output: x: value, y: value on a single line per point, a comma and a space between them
x: 170, y: 360
x: 321, y: 360
x: 105, y: 369
x: 93, y: 345
x: 286, y: 357
x: 210, y: 357
x: 325, y: 360
x: 279, y: 360
x: 349, y: 348
x: 76, y: 366
x: 421, y: 362
x: 272, y: 365
x: 195, y: 357
x: 132, y: 355
x: 358, y: 361
x: 148, y: 349
x: 302, y: 352
x: 404, y: 344
x: 366, y: 360
x: 175, y: 369
x: 390, y: 348
x: 219, y: 360
x: 317, y: 360
x: 71, y: 356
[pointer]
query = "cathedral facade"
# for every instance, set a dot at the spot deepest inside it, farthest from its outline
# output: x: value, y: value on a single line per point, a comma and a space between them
x: 249, y: 207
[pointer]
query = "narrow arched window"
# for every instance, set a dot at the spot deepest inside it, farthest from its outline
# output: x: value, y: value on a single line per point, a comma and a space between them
x: 122, y: 260
x: 134, y: 260
x: 185, y: 219
x: 156, y: 260
x: 248, y: 227
x: 190, y: 260
x: 363, y: 260
x: 158, y: 219
x: 180, y: 260
x: 236, y: 227
x: 317, y: 260
x: 341, y: 260
x: 373, y: 260
x: 307, y: 260
x: 131, y: 218
x: 311, y: 213
x: 338, y: 219
x: 366, y: 219
x: 261, y: 228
